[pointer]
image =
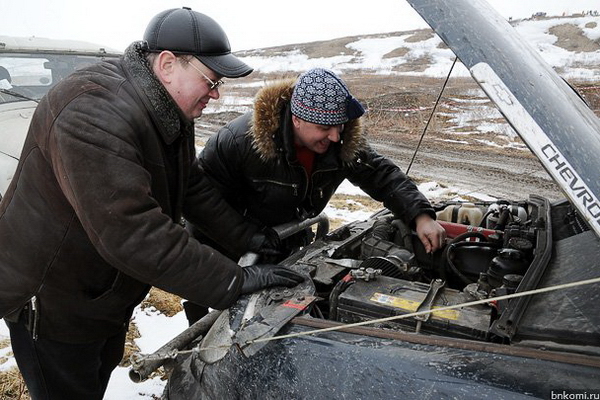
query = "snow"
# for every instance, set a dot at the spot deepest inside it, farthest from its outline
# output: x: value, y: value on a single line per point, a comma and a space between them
x: 373, y: 51
x: 537, y: 34
x: 155, y: 326
x: 348, y: 188
x: 345, y: 215
x: 6, y: 351
x: 121, y: 387
x: 156, y: 329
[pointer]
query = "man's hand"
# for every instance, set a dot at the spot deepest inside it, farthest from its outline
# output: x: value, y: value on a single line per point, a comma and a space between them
x: 260, y: 276
x: 265, y: 242
x: 432, y: 235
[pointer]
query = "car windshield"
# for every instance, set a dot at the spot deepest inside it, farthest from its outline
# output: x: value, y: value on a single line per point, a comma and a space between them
x: 27, y: 73
x: 29, y: 76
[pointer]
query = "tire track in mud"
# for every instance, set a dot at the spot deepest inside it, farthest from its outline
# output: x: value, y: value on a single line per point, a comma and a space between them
x: 505, y: 176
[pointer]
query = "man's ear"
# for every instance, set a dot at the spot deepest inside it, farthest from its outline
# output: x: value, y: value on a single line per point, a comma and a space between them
x: 164, y: 66
x: 295, y: 121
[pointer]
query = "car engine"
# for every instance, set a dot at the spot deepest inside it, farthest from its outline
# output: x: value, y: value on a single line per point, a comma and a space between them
x: 378, y: 268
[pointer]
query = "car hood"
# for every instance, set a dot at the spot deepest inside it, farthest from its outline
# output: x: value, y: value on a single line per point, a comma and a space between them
x: 34, y: 44
x: 549, y: 116
x: 14, y: 119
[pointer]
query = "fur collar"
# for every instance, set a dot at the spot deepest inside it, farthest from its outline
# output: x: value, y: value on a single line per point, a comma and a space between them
x: 164, y: 111
x: 270, y: 104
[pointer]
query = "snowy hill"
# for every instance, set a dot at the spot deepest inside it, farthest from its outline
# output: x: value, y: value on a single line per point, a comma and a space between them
x: 569, y: 44
x: 418, y: 61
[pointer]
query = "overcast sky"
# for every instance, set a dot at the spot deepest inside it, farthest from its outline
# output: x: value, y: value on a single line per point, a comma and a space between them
x: 248, y: 24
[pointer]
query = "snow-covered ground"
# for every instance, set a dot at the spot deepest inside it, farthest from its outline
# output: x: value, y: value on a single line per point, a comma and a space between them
x: 156, y: 329
x: 374, y: 53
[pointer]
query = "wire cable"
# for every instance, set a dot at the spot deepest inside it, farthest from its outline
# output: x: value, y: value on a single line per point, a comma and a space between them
x: 431, y: 116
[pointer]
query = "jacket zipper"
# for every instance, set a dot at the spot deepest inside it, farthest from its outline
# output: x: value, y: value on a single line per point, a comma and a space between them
x: 294, y: 186
x: 360, y: 161
x: 320, y: 189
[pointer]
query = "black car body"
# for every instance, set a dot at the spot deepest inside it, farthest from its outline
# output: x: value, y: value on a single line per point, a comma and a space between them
x: 509, y: 308
x: 521, y: 347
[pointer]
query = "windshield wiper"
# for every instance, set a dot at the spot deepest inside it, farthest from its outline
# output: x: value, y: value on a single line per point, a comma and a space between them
x: 18, y: 95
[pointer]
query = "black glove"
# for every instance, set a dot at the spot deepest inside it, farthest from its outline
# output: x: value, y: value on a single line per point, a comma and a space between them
x: 260, y: 276
x: 265, y: 242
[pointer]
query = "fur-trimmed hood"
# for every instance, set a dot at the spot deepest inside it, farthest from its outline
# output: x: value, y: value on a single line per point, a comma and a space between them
x: 269, y: 105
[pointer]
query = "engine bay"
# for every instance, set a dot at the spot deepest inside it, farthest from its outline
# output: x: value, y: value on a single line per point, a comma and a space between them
x: 375, y: 269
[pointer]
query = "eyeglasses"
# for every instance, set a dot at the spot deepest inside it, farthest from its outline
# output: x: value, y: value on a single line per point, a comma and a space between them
x: 212, y: 85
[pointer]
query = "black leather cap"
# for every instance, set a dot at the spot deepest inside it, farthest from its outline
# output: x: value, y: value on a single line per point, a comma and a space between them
x: 184, y: 31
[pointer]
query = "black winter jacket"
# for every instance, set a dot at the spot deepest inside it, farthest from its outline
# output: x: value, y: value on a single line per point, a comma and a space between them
x: 252, y: 161
x: 92, y: 216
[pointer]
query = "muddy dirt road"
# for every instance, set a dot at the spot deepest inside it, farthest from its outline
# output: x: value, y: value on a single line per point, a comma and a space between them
x: 505, y: 176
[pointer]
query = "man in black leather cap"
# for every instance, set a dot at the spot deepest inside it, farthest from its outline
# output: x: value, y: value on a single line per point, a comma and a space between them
x: 91, y: 219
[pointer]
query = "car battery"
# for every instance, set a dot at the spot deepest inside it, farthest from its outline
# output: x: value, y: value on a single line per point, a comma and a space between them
x: 385, y: 297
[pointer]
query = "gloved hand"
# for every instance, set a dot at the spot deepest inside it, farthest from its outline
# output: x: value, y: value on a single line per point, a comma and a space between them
x: 265, y: 242
x: 260, y: 276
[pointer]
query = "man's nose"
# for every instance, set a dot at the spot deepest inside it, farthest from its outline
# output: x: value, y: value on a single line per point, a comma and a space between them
x: 214, y: 94
x: 334, y: 135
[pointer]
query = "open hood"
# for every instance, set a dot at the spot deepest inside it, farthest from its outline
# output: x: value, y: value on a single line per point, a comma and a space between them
x: 550, y: 117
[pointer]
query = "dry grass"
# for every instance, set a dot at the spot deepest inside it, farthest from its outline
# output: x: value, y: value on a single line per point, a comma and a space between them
x: 351, y: 203
x: 591, y: 93
x: 420, y: 36
x: 167, y: 303
x: 12, y: 386
x: 572, y: 38
x: 130, y: 346
x: 397, y: 52
x: 357, y: 203
x: 335, y: 223
x: 3, y: 344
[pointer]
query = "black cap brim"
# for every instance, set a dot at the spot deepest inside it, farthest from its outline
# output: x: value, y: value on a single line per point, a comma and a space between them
x: 226, y: 65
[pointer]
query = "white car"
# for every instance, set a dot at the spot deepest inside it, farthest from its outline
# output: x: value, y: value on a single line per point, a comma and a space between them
x: 29, y: 67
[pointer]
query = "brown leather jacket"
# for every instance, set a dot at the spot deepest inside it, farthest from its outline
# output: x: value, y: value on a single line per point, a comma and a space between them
x: 92, y: 216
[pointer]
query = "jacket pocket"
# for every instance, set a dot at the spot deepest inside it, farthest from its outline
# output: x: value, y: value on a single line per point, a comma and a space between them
x: 123, y: 292
x: 115, y: 285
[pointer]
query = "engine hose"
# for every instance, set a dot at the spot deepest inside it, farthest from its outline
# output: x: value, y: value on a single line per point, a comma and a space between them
x: 382, y: 230
x: 468, y: 235
x: 503, y: 219
x: 405, y: 234
x: 339, y: 287
x: 447, y: 260
x: 484, y: 219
